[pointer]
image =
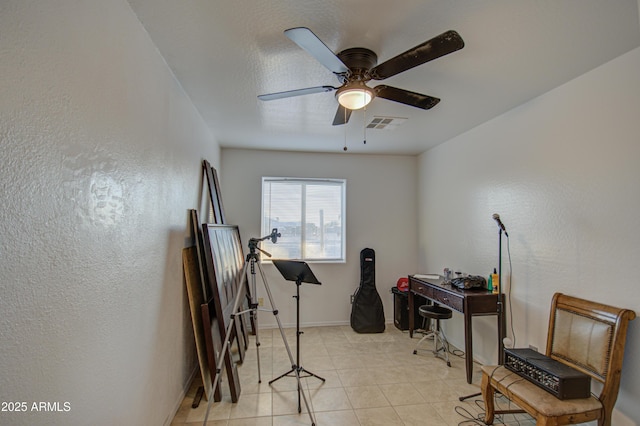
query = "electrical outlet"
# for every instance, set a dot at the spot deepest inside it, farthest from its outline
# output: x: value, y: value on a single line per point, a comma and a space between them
x: 533, y: 348
x: 260, y: 301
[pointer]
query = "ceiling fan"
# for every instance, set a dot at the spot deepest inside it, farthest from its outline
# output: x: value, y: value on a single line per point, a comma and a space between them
x: 356, y: 66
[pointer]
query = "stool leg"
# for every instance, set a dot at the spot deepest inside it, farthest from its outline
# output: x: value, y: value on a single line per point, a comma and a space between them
x: 427, y: 335
x: 439, y: 336
x: 445, y: 345
x: 423, y: 327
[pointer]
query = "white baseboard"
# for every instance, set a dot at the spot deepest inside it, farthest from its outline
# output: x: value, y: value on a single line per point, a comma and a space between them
x: 181, y: 396
x: 314, y: 324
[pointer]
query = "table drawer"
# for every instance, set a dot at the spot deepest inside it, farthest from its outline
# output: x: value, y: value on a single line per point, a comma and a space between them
x: 444, y: 298
x: 422, y: 289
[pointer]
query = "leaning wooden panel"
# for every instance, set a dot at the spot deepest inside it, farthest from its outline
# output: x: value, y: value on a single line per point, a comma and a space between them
x: 225, y: 266
x: 196, y: 239
x: 218, y: 192
x: 225, y: 262
x: 194, y: 292
x: 211, y: 178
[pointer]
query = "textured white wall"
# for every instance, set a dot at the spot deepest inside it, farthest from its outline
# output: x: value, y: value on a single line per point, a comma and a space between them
x: 562, y: 171
x: 101, y: 155
x: 381, y: 214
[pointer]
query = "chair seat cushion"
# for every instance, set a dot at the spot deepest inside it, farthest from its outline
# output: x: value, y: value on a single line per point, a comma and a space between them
x: 513, y: 385
x: 435, y: 312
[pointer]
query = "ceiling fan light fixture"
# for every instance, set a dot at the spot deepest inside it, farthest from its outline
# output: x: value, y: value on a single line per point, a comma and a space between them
x: 355, y: 96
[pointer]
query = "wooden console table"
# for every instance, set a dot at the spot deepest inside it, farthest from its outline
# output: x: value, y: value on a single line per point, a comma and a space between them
x: 468, y: 302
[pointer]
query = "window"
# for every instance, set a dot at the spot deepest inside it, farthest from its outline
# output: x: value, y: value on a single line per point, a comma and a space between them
x: 309, y: 215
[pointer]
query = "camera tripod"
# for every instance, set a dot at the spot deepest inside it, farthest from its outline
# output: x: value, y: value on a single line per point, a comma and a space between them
x: 251, y: 261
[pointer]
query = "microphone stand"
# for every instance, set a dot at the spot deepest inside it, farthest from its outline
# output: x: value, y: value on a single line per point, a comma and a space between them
x: 500, y: 310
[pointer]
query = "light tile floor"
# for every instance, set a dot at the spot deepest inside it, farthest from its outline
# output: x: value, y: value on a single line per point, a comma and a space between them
x: 371, y: 379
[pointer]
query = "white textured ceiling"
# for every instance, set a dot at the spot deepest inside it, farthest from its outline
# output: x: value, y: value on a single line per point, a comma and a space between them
x: 225, y: 53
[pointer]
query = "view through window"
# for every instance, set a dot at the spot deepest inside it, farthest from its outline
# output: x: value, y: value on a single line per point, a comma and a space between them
x: 309, y: 215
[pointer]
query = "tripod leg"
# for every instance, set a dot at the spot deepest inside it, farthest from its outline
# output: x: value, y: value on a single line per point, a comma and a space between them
x: 254, y: 314
x: 254, y: 318
x: 225, y: 344
x: 275, y: 313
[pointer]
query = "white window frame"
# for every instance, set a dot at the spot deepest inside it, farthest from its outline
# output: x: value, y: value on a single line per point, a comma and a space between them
x: 266, y: 226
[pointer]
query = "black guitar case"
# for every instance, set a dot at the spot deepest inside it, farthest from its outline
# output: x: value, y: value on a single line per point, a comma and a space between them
x: 367, y: 312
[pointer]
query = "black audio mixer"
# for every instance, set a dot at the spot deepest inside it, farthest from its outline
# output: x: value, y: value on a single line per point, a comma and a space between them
x: 559, y: 379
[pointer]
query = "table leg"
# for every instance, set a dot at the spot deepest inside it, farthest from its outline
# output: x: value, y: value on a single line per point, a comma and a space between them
x: 502, y: 329
x: 468, y: 345
x: 410, y: 303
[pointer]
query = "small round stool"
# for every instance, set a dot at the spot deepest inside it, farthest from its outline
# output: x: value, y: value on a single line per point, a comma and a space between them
x: 435, y: 313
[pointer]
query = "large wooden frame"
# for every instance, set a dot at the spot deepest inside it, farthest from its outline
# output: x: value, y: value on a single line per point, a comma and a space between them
x: 207, y: 337
x: 210, y: 176
x: 225, y: 267
x: 220, y: 262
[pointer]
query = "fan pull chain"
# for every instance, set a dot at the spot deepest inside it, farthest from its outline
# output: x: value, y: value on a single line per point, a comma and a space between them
x: 364, y: 126
x: 344, y: 126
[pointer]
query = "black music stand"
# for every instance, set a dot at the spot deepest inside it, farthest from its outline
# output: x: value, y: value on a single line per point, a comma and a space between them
x: 298, y: 271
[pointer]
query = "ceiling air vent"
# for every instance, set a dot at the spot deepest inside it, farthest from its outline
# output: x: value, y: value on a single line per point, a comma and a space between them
x: 386, y: 123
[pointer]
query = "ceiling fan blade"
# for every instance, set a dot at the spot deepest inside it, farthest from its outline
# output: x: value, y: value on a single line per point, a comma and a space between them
x: 406, y: 97
x: 438, y: 46
x: 307, y: 40
x: 342, y: 116
x: 297, y: 92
